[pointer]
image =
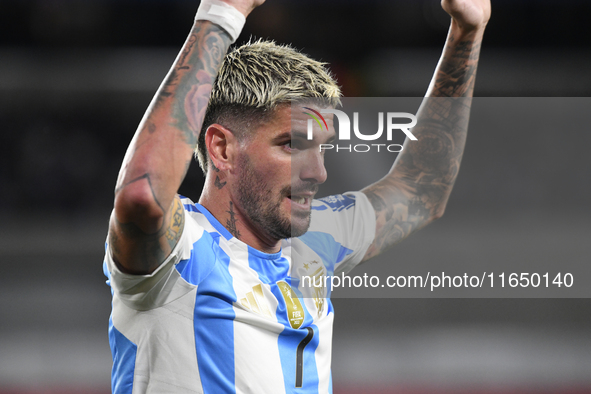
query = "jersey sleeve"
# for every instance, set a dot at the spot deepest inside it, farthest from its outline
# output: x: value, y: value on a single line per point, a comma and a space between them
x: 145, y: 292
x: 344, y: 225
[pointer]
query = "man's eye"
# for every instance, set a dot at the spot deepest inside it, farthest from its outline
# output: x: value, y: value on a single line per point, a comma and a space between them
x: 293, y: 144
x: 296, y: 144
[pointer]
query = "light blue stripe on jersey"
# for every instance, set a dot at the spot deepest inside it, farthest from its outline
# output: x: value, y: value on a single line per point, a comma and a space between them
x: 202, y: 260
x: 214, y: 316
x: 269, y: 267
x: 331, y: 251
x: 124, y: 354
x: 214, y: 322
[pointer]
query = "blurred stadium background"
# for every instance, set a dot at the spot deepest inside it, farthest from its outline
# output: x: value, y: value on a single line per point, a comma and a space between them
x: 76, y: 77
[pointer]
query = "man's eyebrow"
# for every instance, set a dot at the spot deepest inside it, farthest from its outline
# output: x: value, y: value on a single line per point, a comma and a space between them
x: 283, y: 136
x: 304, y: 136
x: 299, y: 134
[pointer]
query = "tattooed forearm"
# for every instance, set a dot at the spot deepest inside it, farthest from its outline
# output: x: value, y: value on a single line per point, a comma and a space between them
x: 457, y: 72
x: 417, y: 188
x: 148, y: 218
x: 400, y: 209
x: 172, y: 79
x: 162, y: 149
x: 191, y: 80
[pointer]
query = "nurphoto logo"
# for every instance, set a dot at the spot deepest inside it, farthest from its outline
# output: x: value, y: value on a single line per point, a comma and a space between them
x: 344, y: 132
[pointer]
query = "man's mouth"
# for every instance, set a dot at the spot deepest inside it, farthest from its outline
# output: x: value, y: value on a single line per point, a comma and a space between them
x: 298, y: 199
x: 303, y: 196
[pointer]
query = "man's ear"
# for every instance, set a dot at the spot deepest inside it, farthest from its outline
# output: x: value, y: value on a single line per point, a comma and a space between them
x: 220, y: 144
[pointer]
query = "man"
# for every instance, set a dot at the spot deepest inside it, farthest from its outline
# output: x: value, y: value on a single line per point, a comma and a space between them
x: 205, y: 296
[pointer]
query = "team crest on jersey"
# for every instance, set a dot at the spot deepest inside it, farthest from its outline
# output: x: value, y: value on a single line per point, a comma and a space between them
x: 255, y: 301
x: 295, y: 312
x: 317, y: 274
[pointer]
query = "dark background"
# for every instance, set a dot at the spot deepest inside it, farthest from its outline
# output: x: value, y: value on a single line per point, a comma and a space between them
x: 76, y: 77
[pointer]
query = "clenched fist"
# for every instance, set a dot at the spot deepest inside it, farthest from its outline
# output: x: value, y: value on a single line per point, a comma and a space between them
x: 468, y: 14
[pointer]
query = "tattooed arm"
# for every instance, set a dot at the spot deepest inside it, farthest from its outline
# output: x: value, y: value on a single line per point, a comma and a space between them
x: 416, y: 190
x: 148, y: 217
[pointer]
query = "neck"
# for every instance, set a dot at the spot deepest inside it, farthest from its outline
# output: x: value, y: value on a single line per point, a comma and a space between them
x: 219, y: 201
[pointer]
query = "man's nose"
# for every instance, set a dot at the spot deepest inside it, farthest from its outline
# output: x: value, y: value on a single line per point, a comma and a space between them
x: 312, y: 167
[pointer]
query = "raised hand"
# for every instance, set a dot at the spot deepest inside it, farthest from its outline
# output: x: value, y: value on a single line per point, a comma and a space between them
x: 416, y: 190
x: 468, y: 14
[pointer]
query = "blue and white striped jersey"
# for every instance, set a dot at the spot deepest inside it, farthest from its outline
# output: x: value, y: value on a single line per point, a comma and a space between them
x: 219, y: 316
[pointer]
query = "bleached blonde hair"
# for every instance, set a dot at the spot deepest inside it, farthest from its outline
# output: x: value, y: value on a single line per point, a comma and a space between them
x: 256, y: 78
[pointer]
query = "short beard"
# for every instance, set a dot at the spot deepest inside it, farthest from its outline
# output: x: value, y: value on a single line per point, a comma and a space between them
x: 261, y: 208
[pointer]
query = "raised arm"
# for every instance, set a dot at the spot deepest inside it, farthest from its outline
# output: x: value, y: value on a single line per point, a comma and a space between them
x: 148, y: 217
x: 416, y: 190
